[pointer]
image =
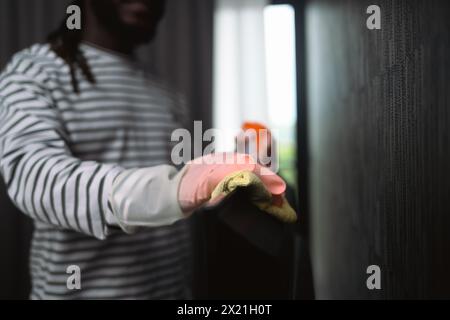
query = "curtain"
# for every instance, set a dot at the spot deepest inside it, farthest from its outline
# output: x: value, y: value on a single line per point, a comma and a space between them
x: 239, y: 67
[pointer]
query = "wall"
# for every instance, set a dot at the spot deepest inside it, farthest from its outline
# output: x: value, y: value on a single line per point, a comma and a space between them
x: 379, y: 147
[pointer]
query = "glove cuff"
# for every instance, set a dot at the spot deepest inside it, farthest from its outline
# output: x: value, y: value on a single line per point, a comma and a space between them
x: 146, y: 197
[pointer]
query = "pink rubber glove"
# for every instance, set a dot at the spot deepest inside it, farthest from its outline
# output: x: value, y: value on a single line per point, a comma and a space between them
x: 202, y: 175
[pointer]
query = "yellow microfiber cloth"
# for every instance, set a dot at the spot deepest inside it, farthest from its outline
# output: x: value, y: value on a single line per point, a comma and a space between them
x: 259, y: 195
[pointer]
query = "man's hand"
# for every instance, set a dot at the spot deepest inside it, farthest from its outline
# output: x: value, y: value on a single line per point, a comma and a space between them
x: 202, y: 175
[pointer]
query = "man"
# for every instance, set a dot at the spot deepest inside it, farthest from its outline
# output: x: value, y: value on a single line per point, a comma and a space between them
x: 84, y: 151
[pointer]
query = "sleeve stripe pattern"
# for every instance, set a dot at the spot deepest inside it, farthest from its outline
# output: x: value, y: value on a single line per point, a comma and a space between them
x: 43, y: 178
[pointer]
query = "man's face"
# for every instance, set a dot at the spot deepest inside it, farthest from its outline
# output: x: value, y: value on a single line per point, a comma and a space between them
x: 136, y: 20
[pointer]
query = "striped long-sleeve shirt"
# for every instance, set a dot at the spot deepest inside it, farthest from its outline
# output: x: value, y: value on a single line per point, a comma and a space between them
x: 59, y: 154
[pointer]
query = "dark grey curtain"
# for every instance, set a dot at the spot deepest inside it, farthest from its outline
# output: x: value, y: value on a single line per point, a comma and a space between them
x: 181, y: 55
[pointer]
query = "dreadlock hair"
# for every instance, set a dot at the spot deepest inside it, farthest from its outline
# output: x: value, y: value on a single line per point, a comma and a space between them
x: 65, y: 43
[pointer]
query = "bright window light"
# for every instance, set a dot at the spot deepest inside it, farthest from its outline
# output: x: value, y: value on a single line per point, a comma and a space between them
x: 281, y: 75
x: 279, y: 21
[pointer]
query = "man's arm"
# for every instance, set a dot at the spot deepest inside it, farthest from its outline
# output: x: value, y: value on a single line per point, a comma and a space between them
x: 48, y: 183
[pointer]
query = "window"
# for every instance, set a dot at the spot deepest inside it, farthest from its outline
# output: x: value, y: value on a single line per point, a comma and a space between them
x: 281, y: 75
x: 255, y: 74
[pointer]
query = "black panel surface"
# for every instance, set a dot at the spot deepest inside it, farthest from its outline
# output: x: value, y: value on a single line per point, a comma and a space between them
x: 380, y: 149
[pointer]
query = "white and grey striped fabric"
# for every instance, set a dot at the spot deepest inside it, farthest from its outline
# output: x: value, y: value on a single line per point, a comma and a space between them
x: 59, y: 154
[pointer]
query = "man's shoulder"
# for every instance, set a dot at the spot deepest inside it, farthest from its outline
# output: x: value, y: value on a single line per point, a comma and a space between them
x: 36, y: 59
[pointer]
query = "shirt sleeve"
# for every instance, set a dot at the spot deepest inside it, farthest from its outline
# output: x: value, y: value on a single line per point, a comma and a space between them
x: 43, y: 178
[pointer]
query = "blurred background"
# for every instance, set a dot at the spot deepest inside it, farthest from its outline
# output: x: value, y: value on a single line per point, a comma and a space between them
x: 361, y: 118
